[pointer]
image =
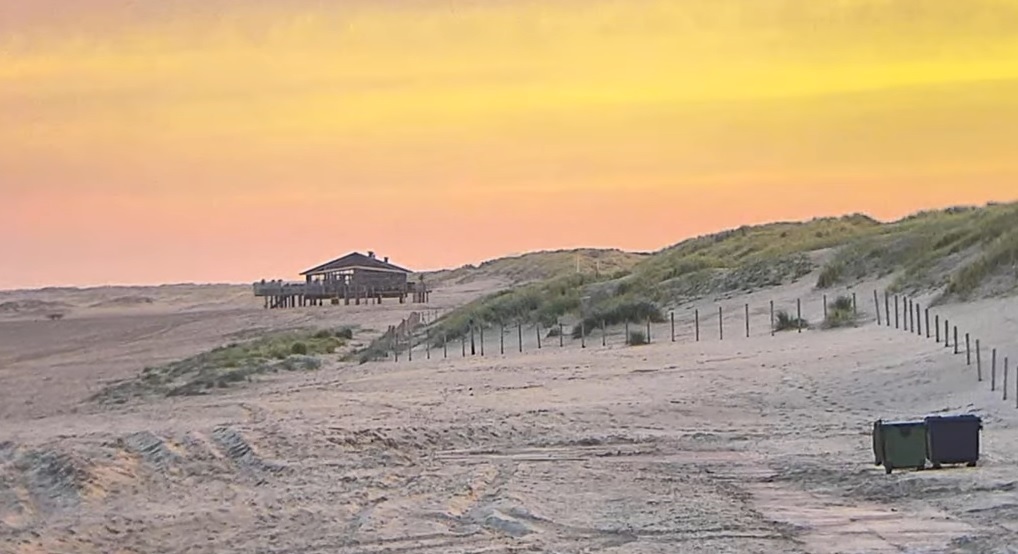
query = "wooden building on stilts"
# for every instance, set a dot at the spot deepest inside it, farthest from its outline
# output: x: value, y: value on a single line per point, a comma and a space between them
x: 353, y: 278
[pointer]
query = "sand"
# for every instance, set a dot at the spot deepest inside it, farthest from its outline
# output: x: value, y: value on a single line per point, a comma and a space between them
x: 756, y: 444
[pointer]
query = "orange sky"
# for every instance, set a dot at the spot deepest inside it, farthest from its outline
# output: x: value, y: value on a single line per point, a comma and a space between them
x: 223, y: 140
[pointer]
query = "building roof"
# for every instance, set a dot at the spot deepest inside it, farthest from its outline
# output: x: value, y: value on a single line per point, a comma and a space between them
x: 355, y: 260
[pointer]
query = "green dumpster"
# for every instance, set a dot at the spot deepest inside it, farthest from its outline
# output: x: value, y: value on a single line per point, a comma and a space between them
x: 900, y: 444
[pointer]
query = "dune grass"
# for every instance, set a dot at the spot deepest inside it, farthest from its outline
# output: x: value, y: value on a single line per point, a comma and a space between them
x: 840, y: 313
x: 232, y: 363
x: 961, y: 252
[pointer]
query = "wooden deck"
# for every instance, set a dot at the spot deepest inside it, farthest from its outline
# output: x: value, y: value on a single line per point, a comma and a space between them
x: 290, y: 294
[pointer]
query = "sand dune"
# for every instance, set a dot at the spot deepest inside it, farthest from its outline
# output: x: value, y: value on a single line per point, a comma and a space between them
x: 753, y: 444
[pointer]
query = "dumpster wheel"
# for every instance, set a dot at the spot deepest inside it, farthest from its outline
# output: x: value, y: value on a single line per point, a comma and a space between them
x: 971, y: 464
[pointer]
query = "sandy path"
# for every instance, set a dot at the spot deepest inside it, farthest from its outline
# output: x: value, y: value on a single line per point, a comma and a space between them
x: 751, y: 445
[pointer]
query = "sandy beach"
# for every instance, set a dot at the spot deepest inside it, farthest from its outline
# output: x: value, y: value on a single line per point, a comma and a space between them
x: 756, y: 444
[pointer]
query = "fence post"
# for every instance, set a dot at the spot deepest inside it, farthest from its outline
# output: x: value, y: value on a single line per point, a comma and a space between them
x: 955, y: 339
x: 445, y: 347
x: 772, y: 314
x: 583, y: 334
x: 927, y: 323
x: 410, y: 347
x: 721, y: 323
x: 1006, y: 368
x: 747, y: 321
x: 911, y: 321
x: 395, y: 347
x: 480, y: 332
x: 993, y: 370
x: 876, y: 303
x: 627, y: 332
x: 896, y: 311
x: 968, y: 352
x: 427, y: 347
x: 501, y: 339
x: 537, y: 329
x: 855, y: 309
x: 648, y: 330
x: 979, y: 361
x: 672, y: 315
x: 937, y: 326
x: 473, y: 345
x: 561, y: 338
x: 798, y: 314
x: 825, y: 307
x: 696, y: 323
x: 918, y: 319
x: 604, y: 334
x: 947, y: 332
x: 519, y: 335
x: 463, y: 345
x: 887, y: 307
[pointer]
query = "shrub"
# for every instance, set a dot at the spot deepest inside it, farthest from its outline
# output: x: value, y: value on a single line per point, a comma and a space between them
x: 785, y: 322
x: 299, y: 348
x: 345, y: 333
x: 840, y: 313
x: 617, y: 311
x: 637, y: 338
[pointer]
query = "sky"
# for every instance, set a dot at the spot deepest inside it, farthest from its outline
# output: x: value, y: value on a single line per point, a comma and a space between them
x: 155, y: 141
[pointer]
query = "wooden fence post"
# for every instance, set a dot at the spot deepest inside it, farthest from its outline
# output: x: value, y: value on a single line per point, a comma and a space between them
x: 410, y: 347
x: 721, y: 323
x: 480, y: 331
x: 968, y: 351
x: 947, y: 332
x: 561, y: 337
x: 911, y: 320
x: 648, y: 330
x: 473, y: 345
x: 538, y: 332
x: 937, y: 326
x: 896, y: 311
x: 979, y: 361
x: 501, y: 339
x: 772, y: 314
x: 583, y: 334
x: 696, y: 323
x: 604, y: 334
x: 747, y: 321
x: 672, y: 316
x: 395, y: 347
x: 855, y: 309
x: 955, y: 339
x: 427, y: 347
x: 627, y: 332
x: 519, y: 335
x: 887, y: 308
x: 463, y: 344
x: 445, y: 347
x: 798, y: 314
x: 825, y: 307
x: 993, y: 370
x: 876, y: 303
x: 927, y: 323
x: 1006, y: 368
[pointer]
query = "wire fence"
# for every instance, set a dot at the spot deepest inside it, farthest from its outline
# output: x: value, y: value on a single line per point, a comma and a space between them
x: 728, y: 322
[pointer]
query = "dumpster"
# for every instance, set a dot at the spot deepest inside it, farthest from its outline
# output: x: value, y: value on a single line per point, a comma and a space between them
x: 900, y: 444
x: 953, y: 439
x: 878, y: 448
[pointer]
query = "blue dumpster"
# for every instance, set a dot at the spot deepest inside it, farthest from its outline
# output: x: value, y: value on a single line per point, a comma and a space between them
x: 953, y: 439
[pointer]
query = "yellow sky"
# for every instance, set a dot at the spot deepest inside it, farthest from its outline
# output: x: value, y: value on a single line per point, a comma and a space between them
x: 148, y: 141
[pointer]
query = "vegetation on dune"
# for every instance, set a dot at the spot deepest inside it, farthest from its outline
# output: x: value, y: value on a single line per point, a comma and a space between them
x: 957, y: 250
x: 783, y: 321
x: 220, y: 367
x: 961, y: 252
x: 840, y: 313
x: 637, y: 338
x: 539, y: 266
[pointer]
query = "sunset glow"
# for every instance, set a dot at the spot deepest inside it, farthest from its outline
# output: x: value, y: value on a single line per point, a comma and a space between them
x: 228, y: 141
